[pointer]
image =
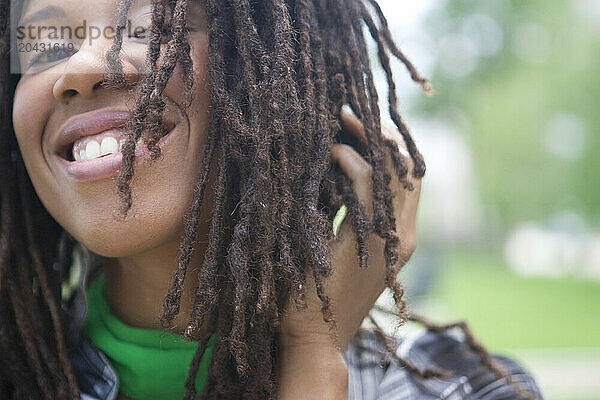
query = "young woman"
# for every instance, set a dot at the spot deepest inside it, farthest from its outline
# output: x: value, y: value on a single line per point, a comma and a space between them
x: 174, y: 185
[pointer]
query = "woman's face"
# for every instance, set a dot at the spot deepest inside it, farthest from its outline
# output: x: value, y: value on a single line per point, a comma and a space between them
x: 59, y: 98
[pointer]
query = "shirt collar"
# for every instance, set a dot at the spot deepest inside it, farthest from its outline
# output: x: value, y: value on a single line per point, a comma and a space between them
x: 95, y: 376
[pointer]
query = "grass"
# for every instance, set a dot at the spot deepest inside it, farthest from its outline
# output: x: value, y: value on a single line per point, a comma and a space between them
x: 507, y: 311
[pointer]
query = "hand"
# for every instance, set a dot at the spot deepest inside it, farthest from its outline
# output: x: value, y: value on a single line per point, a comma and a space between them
x: 303, y: 335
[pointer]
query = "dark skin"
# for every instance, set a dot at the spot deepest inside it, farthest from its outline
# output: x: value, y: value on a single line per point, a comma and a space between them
x: 310, y: 363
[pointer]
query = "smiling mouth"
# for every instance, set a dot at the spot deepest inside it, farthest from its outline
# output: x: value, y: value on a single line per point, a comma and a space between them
x: 105, y: 144
x: 104, y: 166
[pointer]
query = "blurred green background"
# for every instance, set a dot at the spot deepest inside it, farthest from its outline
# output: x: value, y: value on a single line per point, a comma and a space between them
x: 509, y: 219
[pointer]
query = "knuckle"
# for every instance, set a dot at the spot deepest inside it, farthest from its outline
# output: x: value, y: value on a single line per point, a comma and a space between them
x: 412, y: 245
x: 409, y: 163
x: 390, y: 131
x: 403, y: 152
x: 366, y: 171
x: 409, y: 247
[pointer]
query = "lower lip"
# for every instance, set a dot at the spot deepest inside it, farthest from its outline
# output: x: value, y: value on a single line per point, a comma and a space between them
x: 105, y: 166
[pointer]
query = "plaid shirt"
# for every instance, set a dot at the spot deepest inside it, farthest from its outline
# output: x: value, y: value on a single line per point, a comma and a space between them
x: 370, y: 377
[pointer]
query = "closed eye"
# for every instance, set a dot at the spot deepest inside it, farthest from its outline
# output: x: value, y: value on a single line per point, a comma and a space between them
x: 51, y: 54
x: 144, y: 33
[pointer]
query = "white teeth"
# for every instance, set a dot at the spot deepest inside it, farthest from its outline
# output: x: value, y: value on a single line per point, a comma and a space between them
x: 109, y: 146
x: 92, y: 149
x: 87, y: 148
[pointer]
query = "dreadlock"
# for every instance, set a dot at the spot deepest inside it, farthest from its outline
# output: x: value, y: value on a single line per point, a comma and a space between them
x: 280, y: 71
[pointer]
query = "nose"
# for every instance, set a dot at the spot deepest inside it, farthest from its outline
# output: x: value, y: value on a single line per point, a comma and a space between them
x: 86, y: 70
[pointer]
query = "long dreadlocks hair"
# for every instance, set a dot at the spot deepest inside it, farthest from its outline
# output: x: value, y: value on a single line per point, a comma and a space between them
x: 280, y: 72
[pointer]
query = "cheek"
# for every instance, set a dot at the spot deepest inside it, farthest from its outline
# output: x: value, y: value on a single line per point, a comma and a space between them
x: 198, y: 113
x: 200, y: 109
x: 175, y: 89
x: 32, y: 105
x: 200, y: 57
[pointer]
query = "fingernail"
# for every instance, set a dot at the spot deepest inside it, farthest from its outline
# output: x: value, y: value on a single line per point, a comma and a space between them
x: 347, y: 109
x: 403, y: 151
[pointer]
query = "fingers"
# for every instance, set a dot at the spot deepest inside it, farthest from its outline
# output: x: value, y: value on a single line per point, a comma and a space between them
x: 352, y: 124
x: 360, y: 171
x: 356, y: 168
x: 389, y: 131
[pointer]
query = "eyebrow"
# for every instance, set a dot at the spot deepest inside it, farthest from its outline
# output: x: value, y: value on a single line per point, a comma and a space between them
x: 44, y: 13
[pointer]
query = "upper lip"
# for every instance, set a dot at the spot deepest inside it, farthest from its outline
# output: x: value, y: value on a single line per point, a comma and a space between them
x: 92, y: 123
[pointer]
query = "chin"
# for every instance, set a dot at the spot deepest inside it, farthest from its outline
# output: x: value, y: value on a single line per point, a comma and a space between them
x: 124, y: 239
x: 112, y: 250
